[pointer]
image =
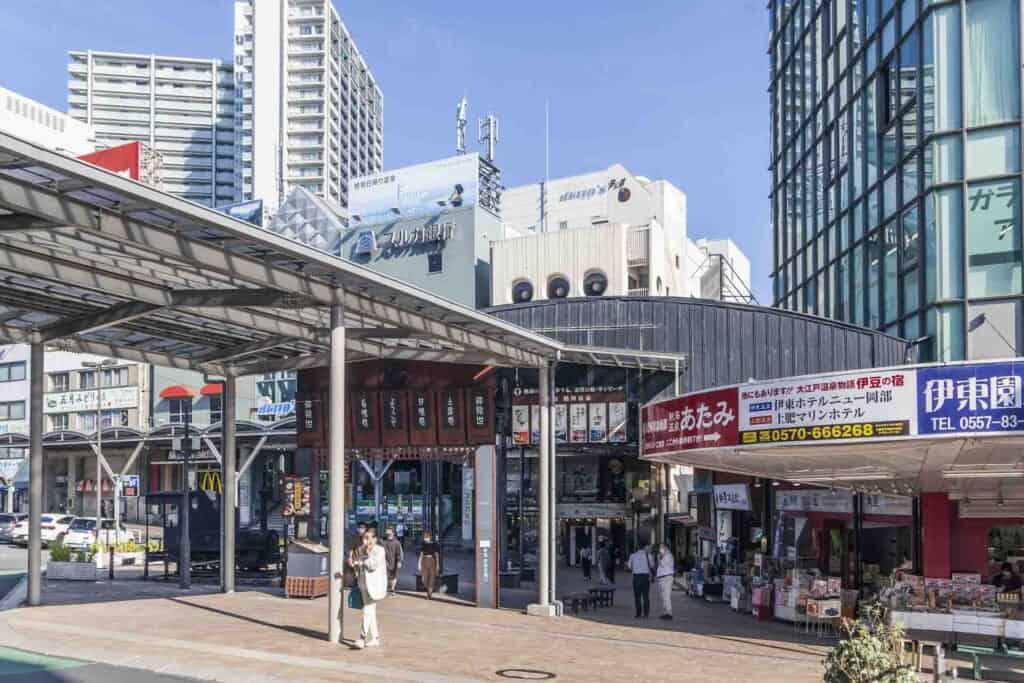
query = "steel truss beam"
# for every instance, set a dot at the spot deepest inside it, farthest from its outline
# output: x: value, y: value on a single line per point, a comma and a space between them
x: 31, y: 199
x: 108, y: 317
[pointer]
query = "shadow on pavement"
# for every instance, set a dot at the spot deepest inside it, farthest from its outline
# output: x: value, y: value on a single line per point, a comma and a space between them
x: 297, y: 630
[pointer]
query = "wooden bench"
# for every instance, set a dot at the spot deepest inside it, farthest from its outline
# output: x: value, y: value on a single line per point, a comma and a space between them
x: 574, y: 601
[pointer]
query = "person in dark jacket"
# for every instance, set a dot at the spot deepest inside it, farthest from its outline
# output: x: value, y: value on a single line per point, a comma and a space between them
x: 395, y: 557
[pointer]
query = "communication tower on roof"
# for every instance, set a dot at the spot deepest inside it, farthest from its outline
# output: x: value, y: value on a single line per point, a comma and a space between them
x: 460, y: 126
x: 488, y: 135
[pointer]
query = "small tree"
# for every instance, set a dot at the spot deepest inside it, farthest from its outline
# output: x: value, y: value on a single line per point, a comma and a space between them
x: 870, y: 651
x: 59, y: 552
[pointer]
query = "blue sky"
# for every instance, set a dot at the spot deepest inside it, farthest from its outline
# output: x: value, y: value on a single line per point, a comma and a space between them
x: 672, y: 89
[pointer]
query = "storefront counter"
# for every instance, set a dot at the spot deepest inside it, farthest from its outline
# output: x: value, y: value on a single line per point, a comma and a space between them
x: 982, y: 623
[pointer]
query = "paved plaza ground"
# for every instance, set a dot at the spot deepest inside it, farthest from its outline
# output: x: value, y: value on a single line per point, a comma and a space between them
x: 259, y: 635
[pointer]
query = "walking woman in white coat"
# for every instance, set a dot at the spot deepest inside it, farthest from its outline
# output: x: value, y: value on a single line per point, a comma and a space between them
x: 370, y: 565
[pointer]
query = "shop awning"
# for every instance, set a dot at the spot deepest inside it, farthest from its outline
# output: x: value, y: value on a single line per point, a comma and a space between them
x: 178, y: 391
x: 212, y: 389
x: 89, y: 486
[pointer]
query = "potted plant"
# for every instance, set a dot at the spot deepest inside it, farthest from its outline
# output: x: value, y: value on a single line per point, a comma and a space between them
x: 871, y: 651
x: 67, y: 565
x: 125, y: 553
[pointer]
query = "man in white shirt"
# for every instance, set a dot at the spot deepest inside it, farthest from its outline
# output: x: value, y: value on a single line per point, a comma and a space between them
x: 640, y: 565
x: 666, y: 571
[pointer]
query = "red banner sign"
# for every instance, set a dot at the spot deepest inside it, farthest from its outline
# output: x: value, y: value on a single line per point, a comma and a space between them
x: 705, y: 420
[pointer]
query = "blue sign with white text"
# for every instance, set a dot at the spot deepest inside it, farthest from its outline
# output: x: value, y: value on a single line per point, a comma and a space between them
x: 970, y: 398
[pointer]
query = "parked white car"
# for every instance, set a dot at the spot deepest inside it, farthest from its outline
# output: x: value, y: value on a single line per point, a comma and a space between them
x: 53, y: 527
x: 9, y: 520
x: 82, y: 533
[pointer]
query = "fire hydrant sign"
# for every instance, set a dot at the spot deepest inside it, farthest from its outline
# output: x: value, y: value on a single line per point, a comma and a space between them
x: 848, y: 406
x: 956, y: 399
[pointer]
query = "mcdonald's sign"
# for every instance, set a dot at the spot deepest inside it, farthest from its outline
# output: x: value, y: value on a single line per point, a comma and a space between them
x: 211, y: 481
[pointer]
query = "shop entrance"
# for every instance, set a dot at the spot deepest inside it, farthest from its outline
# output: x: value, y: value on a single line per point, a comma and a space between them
x: 580, y: 535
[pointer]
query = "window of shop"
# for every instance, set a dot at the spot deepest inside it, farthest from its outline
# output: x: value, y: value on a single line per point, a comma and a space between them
x: 179, y: 410
x: 59, y: 422
x: 87, y: 380
x: 216, y: 409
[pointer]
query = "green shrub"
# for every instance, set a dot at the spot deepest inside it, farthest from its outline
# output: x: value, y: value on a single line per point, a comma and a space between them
x: 60, y: 552
x: 870, y: 651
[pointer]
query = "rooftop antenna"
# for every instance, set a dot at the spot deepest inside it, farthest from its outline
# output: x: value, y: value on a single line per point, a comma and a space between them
x: 460, y: 126
x: 488, y: 135
x: 547, y: 168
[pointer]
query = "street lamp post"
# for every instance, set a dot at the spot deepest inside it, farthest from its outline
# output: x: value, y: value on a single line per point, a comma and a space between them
x: 96, y: 366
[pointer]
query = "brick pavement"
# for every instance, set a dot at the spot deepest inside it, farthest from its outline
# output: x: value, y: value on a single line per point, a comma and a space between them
x: 260, y: 636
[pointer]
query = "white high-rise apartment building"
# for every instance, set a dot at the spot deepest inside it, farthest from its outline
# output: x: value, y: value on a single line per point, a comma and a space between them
x: 182, y: 108
x: 308, y: 112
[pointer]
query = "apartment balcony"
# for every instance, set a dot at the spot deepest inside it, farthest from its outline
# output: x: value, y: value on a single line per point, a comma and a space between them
x: 641, y: 291
x: 638, y: 246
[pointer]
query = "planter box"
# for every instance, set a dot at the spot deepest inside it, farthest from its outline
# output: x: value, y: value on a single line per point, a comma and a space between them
x: 120, y: 559
x: 70, y: 571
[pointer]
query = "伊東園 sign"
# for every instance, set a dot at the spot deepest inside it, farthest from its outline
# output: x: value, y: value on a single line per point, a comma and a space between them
x: 935, y: 400
x: 846, y: 406
x: 971, y: 398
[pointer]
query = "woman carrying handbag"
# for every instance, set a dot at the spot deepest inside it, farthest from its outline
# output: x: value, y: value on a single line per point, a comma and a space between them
x: 370, y: 566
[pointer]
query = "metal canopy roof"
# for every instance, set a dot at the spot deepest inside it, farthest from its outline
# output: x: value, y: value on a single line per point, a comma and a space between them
x: 102, y: 264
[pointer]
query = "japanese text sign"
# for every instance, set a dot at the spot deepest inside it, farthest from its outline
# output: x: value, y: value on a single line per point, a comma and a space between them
x: 703, y: 420
x: 970, y: 398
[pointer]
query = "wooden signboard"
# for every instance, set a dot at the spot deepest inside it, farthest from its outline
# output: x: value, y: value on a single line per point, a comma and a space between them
x: 394, y: 423
x: 422, y: 418
x: 480, y: 415
x: 365, y: 410
x: 451, y: 410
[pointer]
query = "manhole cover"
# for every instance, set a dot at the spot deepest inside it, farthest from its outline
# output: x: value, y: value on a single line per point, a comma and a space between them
x: 526, y: 674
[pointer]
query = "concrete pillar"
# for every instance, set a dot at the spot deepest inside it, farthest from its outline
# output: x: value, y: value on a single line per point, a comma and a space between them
x: 72, y: 483
x: 35, y: 477
x: 336, y: 475
x: 544, y: 606
x: 553, y: 529
x: 229, y: 467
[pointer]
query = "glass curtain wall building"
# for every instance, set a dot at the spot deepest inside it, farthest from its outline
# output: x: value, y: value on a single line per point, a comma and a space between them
x: 896, y: 159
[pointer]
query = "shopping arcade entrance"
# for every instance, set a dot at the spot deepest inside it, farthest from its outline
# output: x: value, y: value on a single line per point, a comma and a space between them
x: 948, y: 436
x: 97, y: 263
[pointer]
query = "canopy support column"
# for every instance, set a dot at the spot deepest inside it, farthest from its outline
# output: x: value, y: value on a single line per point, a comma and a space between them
x: 229, y: 465
x: 545, y: 605
x: 336, y: 475
x: 35, y: 477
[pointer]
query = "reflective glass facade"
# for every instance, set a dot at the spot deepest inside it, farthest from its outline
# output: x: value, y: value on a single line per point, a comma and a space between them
x: 896, y: 168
